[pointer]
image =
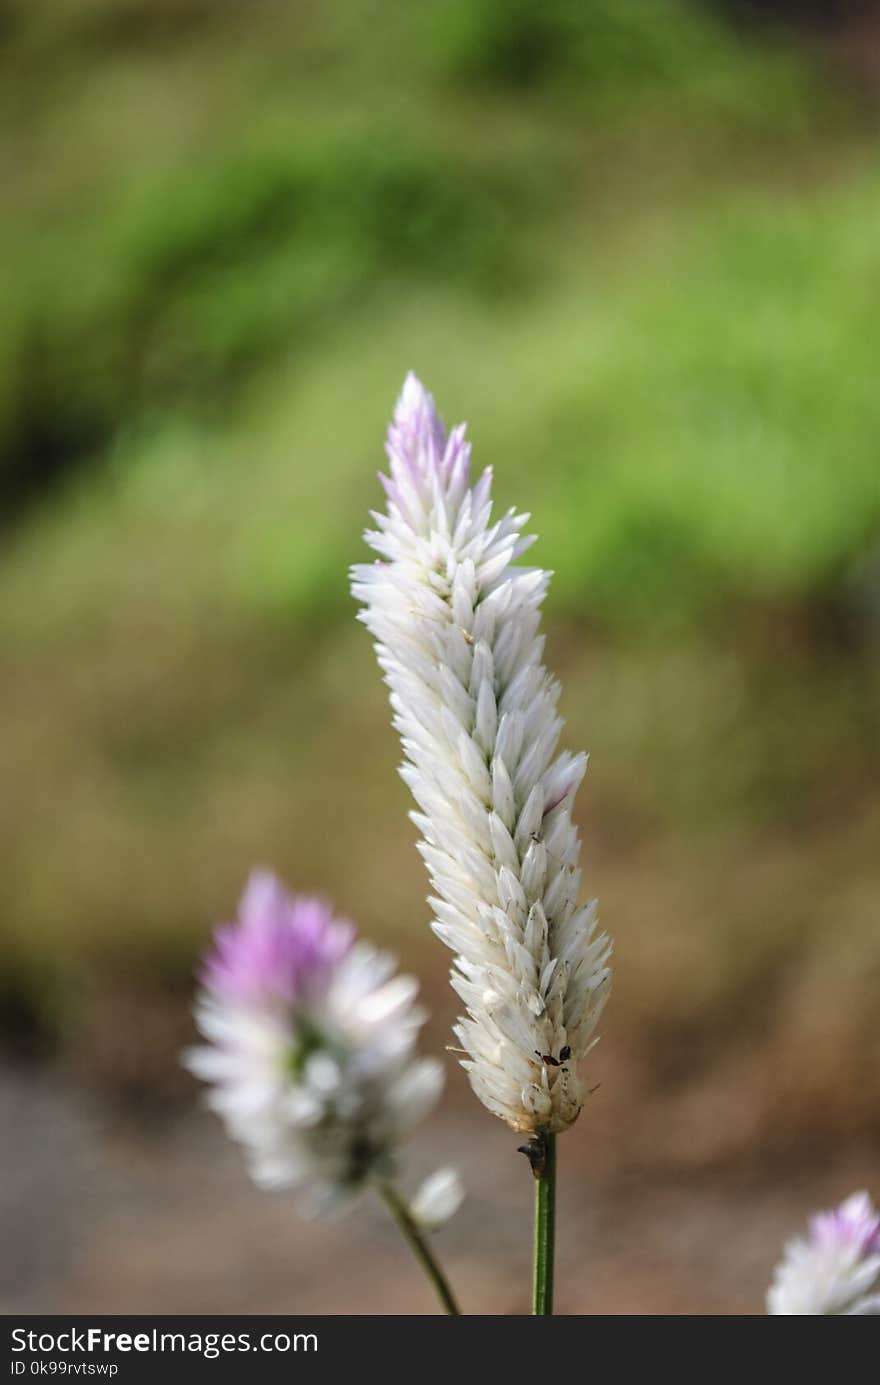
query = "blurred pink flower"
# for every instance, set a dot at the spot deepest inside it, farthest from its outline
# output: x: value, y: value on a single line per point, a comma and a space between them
x: 310, y: 1051
x: 281, y: 946
x: 835, y: 1269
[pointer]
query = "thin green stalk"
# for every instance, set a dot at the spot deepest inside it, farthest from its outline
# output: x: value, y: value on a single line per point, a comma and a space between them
x: 545, y: 1227
x: 417, y: 1243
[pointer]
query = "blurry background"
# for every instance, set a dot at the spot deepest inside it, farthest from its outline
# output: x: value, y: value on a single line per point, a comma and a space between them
x: 637, y: 246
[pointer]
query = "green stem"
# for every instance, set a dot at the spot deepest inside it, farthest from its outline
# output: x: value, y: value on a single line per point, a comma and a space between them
x: 545, y: 1228
x: 417, y: 1243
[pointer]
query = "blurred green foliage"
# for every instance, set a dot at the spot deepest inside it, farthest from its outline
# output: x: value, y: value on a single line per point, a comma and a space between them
x: 206, y: 193
x: 606, y: 59
x: 200, y: 281
x: 169, y: 237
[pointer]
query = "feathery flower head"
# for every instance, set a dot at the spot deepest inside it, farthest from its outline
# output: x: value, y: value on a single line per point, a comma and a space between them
x: 310, y: 1046
x: 833, y: 1270
x: 456, y: 625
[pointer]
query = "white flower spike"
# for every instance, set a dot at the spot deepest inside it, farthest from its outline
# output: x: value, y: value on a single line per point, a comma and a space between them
x: 456, y: 624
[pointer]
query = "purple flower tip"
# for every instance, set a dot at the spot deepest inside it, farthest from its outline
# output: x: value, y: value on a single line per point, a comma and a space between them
x: 283, y: 946
x: 854, y: 1223
x: 417, y: 435
x: 423, y: 456
x: 415, y: 403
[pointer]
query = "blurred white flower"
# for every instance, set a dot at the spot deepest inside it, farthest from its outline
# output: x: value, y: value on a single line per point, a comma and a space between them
x: 833, y: 1270
x: 311, y: 1046
x: 456, y: 623
x: 437, y: 1199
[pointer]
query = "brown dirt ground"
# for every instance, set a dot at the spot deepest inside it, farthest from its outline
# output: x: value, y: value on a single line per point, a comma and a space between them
x: 101, y: 1217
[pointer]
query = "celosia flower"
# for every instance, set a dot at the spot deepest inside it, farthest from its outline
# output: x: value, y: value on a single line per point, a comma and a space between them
x: 833, y: 1270
x: 456, y: 624
x: 311, y: 1046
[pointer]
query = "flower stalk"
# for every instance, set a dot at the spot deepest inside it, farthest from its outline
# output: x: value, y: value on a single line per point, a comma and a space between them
x: 542, y: 1156
x: 417, y: 1241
